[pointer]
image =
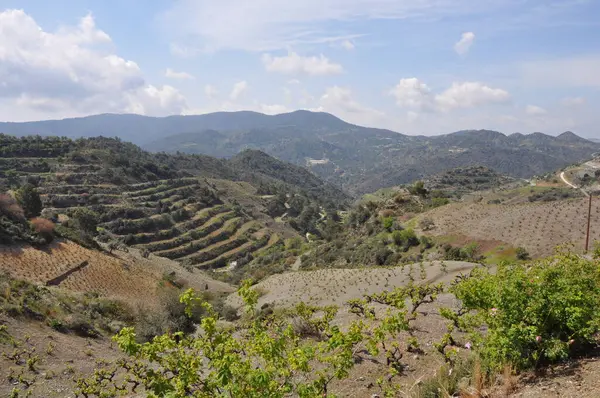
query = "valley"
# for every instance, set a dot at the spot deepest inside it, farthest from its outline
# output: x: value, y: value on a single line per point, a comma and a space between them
x: 359, y: 159
x: 98, y: 236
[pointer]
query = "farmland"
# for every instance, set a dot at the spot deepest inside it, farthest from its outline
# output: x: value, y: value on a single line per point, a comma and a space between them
x: 537, y: 226
x: 107, y: 275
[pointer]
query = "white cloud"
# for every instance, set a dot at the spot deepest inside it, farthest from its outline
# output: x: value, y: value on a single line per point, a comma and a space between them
x: 469, y: 95
x: 211, y: 91
x: 573, y: 101
x: 464, y: 44
x: 238, y: 89
x: 535, y: 110
x: 412, y: 93
x: 294, y: 64
x: 340, y: 102
x: 156, y: 101
x: 72, y: 71
x: 348, y: 45
x: 293, y: 81
x: 171, y: 74
x: 267, y: 25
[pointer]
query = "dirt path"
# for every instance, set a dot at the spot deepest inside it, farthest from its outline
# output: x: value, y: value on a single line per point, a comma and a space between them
x: 562, y: 177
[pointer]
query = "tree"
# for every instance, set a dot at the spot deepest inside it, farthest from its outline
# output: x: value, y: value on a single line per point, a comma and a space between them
x: 29, y: 199
x: 418, y: 189
x: 86, y: 220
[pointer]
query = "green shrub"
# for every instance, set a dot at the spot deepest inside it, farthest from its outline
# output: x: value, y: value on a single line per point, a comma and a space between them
x: 534, y: 313
x: 29, y: 199
x: 522, y: 253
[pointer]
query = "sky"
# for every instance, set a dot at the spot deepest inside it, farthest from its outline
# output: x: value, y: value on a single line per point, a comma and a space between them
x: 412, y: 66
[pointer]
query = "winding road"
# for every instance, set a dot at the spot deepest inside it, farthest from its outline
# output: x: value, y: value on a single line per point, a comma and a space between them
x: 562, y: 177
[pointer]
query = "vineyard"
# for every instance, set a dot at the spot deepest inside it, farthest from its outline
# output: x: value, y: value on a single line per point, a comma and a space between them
x: 538, y: 227
x: 101, y: 273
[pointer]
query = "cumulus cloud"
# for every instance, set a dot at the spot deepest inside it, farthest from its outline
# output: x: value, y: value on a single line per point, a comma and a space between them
x: 464, y: 44
x: 412, y: 93
x: 469, y: 95
x: 238, y: 89
x: 535, y: 110
x: 171, y: 74
x: 340, y: 101
x: 211, y: 91
x: 73, y: 70
x: 294, y: 64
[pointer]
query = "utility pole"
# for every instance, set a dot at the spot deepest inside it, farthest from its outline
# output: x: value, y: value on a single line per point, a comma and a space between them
x: 587, y: 235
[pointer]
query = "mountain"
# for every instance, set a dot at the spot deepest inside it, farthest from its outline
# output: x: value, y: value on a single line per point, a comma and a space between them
x: 358, y: 159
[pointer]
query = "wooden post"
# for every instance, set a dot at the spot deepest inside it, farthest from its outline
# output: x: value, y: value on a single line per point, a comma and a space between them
x: 587, y: 235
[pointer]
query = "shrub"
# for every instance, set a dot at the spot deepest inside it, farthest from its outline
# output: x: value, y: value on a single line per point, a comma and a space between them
x: 81, y: 326
x: 522, y: 253
x: 418, y: 189
x: 534, y: 313
x: 437, y: 202
x: 44, y: 228
x: 382, y: 255
x: 426, y: 241
x: 29, y: 199
x: 86, y: 220
x: 10, y: 208
x: 388, y: 222
x: 229, y: 313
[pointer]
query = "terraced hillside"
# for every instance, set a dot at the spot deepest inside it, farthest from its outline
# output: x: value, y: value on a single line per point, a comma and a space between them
x: 199, y: 211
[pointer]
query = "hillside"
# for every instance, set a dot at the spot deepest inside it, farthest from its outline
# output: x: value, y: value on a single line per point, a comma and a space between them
x: 359, y: 159
x: 344, y: 296
x: 467, y: 179
x: 200, y: 211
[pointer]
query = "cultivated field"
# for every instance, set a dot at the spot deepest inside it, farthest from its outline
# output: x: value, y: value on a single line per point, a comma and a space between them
x: 538, y: 227
x: 337, y: 285
x: 126, y: 276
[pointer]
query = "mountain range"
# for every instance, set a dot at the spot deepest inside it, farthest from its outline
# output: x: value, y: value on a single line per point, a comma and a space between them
x: 359, y: 159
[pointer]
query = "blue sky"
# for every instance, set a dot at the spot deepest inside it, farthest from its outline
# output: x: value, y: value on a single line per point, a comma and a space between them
x: 417, y: 67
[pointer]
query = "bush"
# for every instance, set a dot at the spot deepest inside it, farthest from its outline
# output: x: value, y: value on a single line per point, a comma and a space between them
x: 426, y: 242
x: 29, y: 199
x: 229, y: 313
x: 85, y: 220
x: 44, y: 228
x: 10, y: 208
x: 81, y: 326
x: 522, y: 253
x: 534, y: 313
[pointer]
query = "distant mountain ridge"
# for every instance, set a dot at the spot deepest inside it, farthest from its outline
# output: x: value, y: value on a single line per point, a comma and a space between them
x: 359, y: 159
